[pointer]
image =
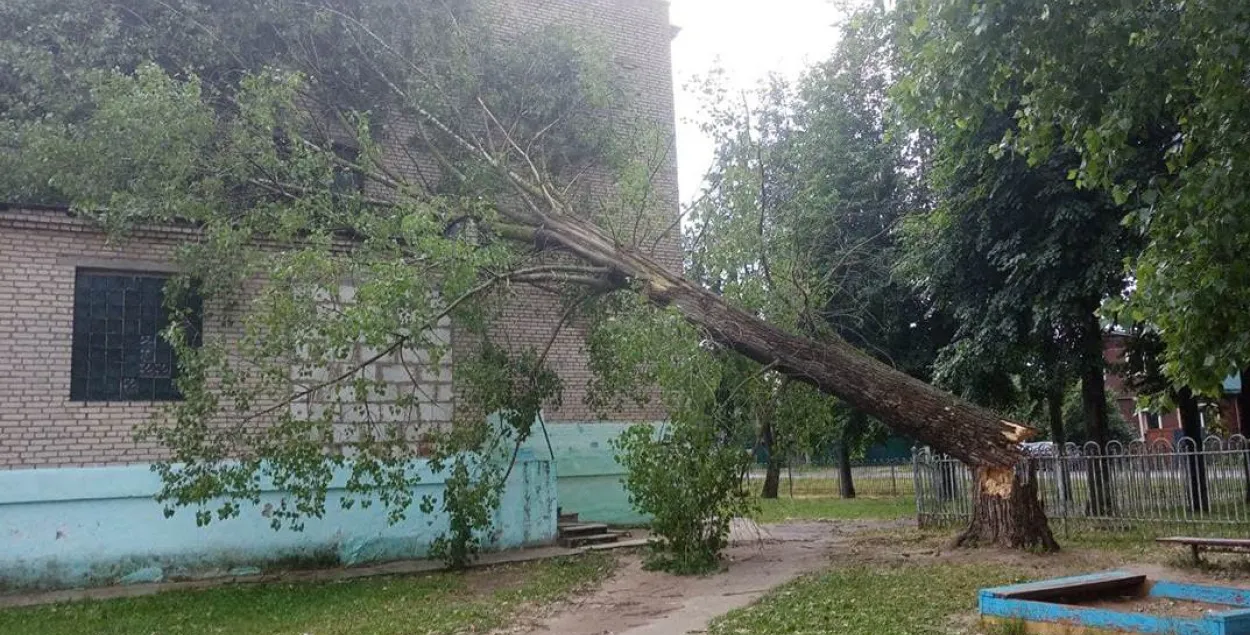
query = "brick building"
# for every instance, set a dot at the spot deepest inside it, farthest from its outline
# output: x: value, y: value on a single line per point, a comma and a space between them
x: 68, y: 459
x: 1166, y: 426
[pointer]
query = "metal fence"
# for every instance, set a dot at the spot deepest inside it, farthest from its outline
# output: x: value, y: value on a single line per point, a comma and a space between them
x: 1123, y: 487
x: 814, y: 479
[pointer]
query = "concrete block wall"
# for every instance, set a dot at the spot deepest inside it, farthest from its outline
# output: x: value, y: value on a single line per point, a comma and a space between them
x: 94, y: 526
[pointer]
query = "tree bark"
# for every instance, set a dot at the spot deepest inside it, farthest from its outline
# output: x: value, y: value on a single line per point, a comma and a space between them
x: 1054, y: 412
x: 972, y: 434
x: 1243, y: 404
x: 846, y: 482
x: 1195, y: 462
x: 1243, y: 428
x: 856, y: 424
x: 1007, y: 511
x: 1094, y: 407
x: 772, y: 472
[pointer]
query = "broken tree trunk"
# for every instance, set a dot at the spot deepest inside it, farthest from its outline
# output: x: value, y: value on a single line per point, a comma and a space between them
x: 1007, y: 510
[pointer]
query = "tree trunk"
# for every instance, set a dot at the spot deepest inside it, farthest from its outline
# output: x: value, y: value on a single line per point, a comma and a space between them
x: 1243, y: 428
x: 1243, y: 404
x: 1007, y: 511
x: 1094, y: 406
x: 856, y: 424
x: 772, y: 472
x: 1195, y: 462
x: 846, y: 482
x: 1054, y: 412
x: 910, y: 407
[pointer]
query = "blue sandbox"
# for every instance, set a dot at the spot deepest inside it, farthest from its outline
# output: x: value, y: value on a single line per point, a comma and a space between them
x: 1052, y: 606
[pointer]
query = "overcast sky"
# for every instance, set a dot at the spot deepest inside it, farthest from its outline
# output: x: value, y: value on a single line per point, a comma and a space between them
x: 749, y: 39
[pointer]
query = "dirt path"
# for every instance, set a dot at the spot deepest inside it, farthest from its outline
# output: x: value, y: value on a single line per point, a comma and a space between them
x: 637, y: 602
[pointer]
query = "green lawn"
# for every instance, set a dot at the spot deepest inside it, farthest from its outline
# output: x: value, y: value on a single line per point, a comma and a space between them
x: 475, y: 601
x: 785, y: 508
x: 904, y: 600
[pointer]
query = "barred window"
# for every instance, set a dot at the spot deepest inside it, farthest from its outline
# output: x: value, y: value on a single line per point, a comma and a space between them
x: 118, y: 351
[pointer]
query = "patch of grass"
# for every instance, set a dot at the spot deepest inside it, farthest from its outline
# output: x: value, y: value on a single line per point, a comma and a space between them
x: 910, y: 600
x: 782, y: 509
x: 434, y: 603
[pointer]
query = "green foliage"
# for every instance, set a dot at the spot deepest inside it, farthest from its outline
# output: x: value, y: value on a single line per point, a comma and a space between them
x: 889, y: 600
x: 1152, y: 98
x: 797, y: 222
x: 440, y: 603
x: 689, y: 481
x: 274, y: 128
x: 688, y: 474
x: 785, y: 509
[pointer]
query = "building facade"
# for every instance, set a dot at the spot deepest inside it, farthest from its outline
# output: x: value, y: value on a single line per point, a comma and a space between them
x: 75, y: 485
x: 1222, y: 417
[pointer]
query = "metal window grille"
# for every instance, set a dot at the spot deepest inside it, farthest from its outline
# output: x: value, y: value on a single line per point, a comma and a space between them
x: 119, y: 353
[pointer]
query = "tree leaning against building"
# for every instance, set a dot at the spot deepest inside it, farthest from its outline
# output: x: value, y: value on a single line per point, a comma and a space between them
x: 250, y: 138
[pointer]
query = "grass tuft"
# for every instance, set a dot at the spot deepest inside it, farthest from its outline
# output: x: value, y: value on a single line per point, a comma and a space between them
x: 782, y: 509
x: 912, y: 600
x: 444, y: 602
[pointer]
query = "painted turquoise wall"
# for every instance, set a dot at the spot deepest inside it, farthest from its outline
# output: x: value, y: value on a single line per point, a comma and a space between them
x: 75, y: 527
x: 588, y: 476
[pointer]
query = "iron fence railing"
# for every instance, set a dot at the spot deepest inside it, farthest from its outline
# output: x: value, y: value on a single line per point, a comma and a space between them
x: 1122, y: 487
x: 815, y: 479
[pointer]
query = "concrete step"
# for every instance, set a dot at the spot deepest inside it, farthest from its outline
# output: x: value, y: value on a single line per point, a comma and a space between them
x: 580, y: 529
x: 590, y: 539
x: 620, y: 544
x: 567, y: 518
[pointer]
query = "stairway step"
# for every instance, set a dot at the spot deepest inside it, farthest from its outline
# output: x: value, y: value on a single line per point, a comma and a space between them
x: 580, y: 529
x: 593, y: 539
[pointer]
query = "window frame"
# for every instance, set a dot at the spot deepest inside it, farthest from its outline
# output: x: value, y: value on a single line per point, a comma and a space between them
x: 118, y: 360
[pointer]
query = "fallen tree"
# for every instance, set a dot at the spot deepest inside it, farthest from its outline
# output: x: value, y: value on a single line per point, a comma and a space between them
x: 252, y: 141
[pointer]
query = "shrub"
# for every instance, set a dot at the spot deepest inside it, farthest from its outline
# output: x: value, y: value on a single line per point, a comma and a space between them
x: 690, y: 482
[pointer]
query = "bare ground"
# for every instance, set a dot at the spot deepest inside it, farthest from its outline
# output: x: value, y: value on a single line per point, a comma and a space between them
x: 638, y: 602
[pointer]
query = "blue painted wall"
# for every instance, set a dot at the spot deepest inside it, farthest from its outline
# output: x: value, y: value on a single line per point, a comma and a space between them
x: 74, y: 527
x: 589, y: 480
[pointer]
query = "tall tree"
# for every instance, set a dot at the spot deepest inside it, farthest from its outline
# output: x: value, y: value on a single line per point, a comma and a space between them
x: 248, y: 148
x: 803, y: 210
x: 1152, y: 97
x: 1024, y: 260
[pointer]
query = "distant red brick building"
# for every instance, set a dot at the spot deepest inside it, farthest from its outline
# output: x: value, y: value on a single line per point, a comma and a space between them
x: 1156, y: 426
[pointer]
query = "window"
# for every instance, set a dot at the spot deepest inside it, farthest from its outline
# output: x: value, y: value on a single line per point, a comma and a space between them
x: 118, y: 351
x: 1152, y: 420
x: 348, y: 181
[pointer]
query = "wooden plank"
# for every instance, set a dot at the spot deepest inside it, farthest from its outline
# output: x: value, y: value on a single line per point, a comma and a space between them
x: 1228, y: 596
x: 1232, y: 543
x: 1084, y: 585
x: 1091, y: 618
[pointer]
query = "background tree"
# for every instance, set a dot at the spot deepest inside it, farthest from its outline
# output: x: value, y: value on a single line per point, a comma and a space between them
x: 1152, y: 98
x: 801, y: 214
x: 1023, y: 260
x: 248, y: 146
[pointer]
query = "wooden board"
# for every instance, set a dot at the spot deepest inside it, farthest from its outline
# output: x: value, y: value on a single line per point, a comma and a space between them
x: 1079, y: 586
x: 1224, y: 543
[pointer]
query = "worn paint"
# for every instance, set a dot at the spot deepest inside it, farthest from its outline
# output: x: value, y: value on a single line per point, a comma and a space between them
x: 588, y: 477
x: 1043, y: 617
x: 87, y: 526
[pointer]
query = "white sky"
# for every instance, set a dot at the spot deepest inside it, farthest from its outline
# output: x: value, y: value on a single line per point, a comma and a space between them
x: 749, y: 39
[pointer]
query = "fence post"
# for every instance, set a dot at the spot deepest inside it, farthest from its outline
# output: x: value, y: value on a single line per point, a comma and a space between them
x: 893, y: 481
